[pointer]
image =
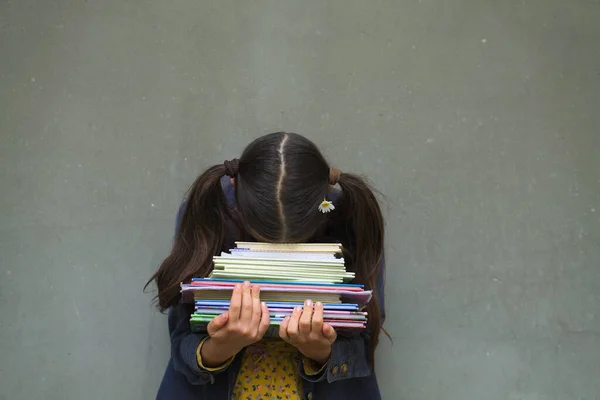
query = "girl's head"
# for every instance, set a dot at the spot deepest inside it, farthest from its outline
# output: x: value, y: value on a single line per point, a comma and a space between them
x: 280, y: 180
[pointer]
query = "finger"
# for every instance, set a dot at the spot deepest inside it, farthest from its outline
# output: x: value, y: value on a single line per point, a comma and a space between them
x: 256, y: 306
x: 265, y: 320
x: 246, y: 313
x: 283, y: 329
x: 292, y: 328
x: 305, y: 318
x: 235, y: 305
x: 217, y: 323
x: 317, y: 319
x: 329, y: 333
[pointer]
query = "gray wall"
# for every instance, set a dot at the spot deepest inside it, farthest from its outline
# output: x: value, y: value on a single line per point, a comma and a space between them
x: 478, y: 120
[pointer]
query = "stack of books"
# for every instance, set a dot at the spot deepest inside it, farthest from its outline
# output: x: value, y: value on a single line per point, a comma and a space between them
x: 288, y: 274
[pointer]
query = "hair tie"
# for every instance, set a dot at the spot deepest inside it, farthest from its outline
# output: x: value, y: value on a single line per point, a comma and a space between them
x: 334, y: 175
x: 231, y: 167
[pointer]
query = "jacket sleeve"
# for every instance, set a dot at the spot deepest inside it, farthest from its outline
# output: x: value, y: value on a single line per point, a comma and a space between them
x: 184, y: 344
x: 349, y: 355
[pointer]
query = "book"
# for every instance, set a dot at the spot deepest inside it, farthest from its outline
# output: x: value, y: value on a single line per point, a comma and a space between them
x: 198, y: 324
x: 289, y: 276
x: 299, y: 255
x: 224, y: 304
x: 272, y: 261
x: 266, y: 283
x: 291, y: 247
x: 271, y: 296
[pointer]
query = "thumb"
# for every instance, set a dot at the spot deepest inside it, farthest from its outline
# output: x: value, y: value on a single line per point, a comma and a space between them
x: 329, y: 333
x: 217, y: 323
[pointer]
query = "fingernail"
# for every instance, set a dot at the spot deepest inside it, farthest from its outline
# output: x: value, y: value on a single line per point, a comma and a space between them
x: 308, y: 303
x: 297, y: 309
x: 237, y: 286
x: 263, y: 303
x: 246, y: 283
x: 319, y: 304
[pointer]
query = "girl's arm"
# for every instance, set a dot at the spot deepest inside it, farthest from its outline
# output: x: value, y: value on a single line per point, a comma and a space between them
x: 349, y: 355
x: 185, y: 347
x: 348, y: 360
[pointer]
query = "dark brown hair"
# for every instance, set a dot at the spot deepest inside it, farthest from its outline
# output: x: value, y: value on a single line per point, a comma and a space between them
x: 281, y: 179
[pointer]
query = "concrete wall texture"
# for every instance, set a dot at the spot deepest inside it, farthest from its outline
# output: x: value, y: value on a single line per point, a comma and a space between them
x: 477, y: 120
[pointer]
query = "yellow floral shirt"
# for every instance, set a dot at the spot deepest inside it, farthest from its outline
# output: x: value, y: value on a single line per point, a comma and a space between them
x: 269, y: 371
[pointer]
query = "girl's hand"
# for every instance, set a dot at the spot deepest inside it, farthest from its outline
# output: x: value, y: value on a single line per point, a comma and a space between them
x: 306, y: 331
x: 244, y: 324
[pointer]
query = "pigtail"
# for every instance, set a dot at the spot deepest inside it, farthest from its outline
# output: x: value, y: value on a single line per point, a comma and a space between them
x: 361, y: 216
x: 199, y: 237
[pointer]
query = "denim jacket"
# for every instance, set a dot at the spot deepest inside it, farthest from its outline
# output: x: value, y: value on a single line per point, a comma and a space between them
x: 348, y: 374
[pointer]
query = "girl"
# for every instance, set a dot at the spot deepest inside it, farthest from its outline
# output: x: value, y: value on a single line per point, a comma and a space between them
x: 272, y: 194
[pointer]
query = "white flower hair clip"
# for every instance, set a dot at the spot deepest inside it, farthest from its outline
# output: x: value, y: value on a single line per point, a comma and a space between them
x: 326, y: 206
